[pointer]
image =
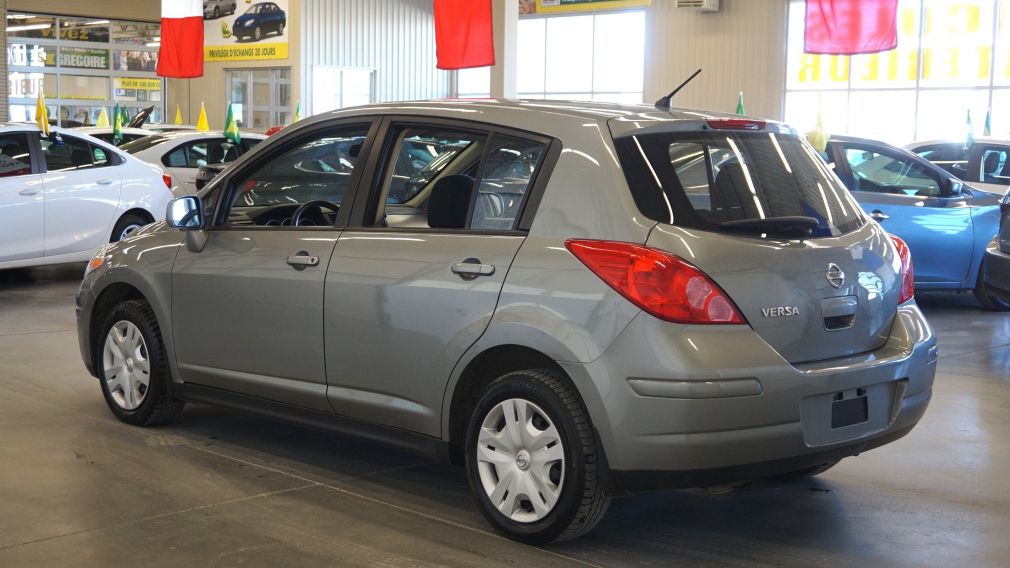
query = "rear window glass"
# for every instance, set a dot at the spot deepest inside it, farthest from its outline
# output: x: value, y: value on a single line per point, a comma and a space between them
x: 706, y: 180
x: 142, y: 144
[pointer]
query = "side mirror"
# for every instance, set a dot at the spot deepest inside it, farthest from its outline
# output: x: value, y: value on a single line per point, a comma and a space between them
x: 185, y: 213
x: 953, y: 188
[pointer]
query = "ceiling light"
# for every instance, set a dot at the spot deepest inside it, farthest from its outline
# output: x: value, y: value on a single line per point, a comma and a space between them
x: 29, y: 27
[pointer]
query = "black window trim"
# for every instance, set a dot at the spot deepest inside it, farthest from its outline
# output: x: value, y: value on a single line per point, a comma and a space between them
x: 228, y: 184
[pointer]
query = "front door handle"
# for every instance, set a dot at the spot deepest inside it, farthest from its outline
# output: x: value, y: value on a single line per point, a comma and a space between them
x: 106, y: 181
x: 472, y: 268
x: 878, y: 215
x: 28, y: 192
x: 302, y: 260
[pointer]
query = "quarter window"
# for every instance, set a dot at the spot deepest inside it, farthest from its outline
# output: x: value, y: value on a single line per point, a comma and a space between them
x: 14, y: 157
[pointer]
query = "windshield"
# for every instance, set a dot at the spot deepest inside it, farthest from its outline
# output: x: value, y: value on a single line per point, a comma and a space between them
x: 142, y: 144
x: 713, y: 180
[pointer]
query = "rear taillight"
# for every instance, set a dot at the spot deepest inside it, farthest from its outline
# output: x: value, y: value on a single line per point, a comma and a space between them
x: 736, y: 124
x: 167, y: 179
x: 658, y: 282
x: 907, y: 274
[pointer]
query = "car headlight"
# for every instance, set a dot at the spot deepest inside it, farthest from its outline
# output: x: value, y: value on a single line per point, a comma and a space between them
x: 249, y: 23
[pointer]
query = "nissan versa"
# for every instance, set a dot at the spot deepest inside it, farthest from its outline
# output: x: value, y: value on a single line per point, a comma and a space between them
x: 572, y: 300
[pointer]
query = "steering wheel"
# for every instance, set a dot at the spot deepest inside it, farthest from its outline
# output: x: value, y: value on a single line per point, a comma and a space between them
x: 313, y: 211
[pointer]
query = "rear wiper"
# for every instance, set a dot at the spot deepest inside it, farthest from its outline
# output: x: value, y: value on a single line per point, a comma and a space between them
x: 798, y: 225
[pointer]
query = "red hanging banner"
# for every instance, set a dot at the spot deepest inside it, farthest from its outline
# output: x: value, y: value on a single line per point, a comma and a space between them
x: 850, y: 27
x: 181, y: 51
x: 463, y: 36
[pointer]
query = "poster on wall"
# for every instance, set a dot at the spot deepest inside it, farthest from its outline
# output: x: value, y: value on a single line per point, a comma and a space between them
x: 530, y: 7
x: 243, y: 30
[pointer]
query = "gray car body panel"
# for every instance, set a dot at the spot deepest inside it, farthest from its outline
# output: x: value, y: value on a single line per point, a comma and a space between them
x: 662, y: 396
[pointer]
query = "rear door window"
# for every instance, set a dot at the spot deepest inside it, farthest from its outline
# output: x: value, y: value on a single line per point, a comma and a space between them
x: 711, y: 180
x: 72, y: 154
x: 509, y: 168
x: 15, y: 159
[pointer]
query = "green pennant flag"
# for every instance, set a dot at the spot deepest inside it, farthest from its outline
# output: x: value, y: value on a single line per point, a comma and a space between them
x: 969, y: 140
x: 117, y: 126
x: 231, y: 127
x: 987, y: 130
x: 298, y: 111
x: 739, y: 105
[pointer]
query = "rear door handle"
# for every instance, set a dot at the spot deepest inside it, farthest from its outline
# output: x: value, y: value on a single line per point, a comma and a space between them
x: 472, y: 268
x: 28, y: 192
x: 878, y: 215
x: 302, y: 260
x: 106, y: 181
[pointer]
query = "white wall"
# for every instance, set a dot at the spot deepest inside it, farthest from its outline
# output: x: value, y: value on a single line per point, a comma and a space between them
x: 397, y: 39
x: 740, y: 48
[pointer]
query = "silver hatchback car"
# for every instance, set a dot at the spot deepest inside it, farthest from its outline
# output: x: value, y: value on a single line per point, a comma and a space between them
x: 573, y: 300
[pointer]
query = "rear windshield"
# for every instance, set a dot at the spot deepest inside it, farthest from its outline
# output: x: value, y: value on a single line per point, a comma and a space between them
x: 142, y: 144
x: 704, y: 179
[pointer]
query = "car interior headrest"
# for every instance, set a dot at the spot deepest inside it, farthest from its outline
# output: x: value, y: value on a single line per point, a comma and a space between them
x: 354, y: 150
x: 449, y: 202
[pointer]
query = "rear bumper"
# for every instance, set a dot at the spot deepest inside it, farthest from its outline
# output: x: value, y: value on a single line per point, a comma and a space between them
x: 679, y: 406
x: 997, y: 267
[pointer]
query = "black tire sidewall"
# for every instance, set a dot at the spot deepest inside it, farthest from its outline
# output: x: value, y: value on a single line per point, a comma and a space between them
x: 124, y: 222
x: 134, y: 312
x: 522, y: 385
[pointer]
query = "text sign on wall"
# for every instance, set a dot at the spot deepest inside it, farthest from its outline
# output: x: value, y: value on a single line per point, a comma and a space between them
x: 256, y: 31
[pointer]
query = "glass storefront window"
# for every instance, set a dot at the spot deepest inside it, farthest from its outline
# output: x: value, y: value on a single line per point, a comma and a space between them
x: 72, y: 60
x: 952, y: 57
x: 261, y: 97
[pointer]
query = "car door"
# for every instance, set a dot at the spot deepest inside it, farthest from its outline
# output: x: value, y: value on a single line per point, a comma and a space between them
x: 415, y: 282
x: 22, y: 201
x: 912, y: 201
x: 82, y: 188
x: 248, y: 305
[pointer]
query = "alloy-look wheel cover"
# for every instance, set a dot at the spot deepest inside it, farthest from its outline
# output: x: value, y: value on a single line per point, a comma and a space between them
x: 521, y: 460
x: 128, y: 230
x: 126, y: 364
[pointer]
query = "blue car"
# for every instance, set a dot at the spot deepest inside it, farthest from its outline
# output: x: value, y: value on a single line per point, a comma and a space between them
x: 260, y: 19
x: 946, y: 224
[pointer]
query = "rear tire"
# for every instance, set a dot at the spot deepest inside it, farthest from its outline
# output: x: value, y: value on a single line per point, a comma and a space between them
x: 132, y: 366
x: 257, y: 33
x: 217, y: 12
x: 989, y: 297
x: 569, y: 481
x: 126, y: 225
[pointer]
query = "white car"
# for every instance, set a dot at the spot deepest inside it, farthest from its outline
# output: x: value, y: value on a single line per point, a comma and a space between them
x: 63, y: 197
x: 985, y: 165
x: 106, y: 133
x: 182, y: 153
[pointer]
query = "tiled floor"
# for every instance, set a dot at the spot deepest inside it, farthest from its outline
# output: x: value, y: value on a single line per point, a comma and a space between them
x: 78, y: 488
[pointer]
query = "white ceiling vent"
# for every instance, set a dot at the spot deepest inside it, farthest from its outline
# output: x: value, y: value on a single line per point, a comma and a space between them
x: 700, y: 5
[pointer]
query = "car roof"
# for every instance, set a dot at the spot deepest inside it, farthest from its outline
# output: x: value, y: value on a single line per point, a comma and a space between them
x: 623, y: 118
x: 175, y: 135
x: 979, y: 139
x: 108, y: 129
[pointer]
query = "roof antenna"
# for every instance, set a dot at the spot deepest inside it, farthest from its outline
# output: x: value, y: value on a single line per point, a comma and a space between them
x: 664, y: 103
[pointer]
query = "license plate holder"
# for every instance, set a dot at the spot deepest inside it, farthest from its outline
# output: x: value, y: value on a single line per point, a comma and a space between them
x: 849, y: 411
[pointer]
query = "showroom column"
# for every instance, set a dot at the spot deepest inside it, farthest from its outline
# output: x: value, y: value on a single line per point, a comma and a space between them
x: 506, y: 27
x: 5, y: 84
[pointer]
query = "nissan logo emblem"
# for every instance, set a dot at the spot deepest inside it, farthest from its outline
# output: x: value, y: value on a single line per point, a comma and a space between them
x: 834, y: 275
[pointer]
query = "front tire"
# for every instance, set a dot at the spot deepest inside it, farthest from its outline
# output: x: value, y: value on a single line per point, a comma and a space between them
x: 257, y: 33
x: 217, y: 12
x: 533, y: 461
x: 133, y: 368
x: 989, y: 297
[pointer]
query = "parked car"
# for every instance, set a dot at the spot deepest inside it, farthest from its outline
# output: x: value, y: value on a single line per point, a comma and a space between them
x: 208, y: 172
x: 214, y: 9
x: 106, y: 134
x: 985, y: 165
x: 163, y: 127
x: 569, y: 315
x: 260, y: 19
x: 997, y: 256
x: 946, y: 223
x: 182, y: 153
x: 63, y: 196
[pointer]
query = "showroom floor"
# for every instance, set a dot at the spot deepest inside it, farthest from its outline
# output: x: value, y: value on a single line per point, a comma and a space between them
x: 78, y: 488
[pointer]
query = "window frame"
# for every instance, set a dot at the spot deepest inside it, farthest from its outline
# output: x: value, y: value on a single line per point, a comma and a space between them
x: 229, y: 183
x: 383, y: 156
